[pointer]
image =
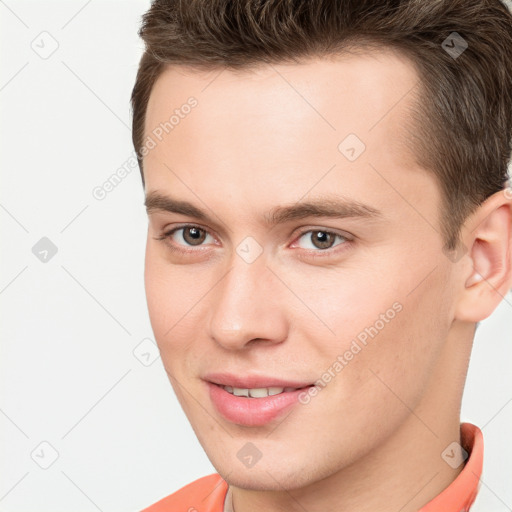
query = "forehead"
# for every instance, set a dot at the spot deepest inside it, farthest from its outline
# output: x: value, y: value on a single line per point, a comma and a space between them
x: 363, y: 87
x: 363, y: 93
x: 285, y: 126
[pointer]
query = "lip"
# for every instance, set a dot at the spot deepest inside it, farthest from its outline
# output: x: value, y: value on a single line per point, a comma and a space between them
x: 252, y: 412
x: 253, y: 381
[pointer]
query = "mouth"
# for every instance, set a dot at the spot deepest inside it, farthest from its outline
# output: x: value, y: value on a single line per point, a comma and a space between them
x: 254, y: 382
x: 259, y: 392
x: 253, y: 406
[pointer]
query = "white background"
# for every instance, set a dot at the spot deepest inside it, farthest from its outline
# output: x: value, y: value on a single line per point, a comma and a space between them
x: 69, y: 376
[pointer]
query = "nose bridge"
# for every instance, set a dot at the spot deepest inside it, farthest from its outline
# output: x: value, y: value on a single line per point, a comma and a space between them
x: 245, y: 307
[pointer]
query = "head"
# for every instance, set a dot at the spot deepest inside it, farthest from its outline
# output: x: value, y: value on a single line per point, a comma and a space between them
x: 326, y: 190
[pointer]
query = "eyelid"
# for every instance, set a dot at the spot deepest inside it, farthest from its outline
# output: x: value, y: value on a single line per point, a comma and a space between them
x: 325, y: 229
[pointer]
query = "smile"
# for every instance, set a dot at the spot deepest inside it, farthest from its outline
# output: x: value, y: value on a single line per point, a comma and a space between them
x: 257, y: 392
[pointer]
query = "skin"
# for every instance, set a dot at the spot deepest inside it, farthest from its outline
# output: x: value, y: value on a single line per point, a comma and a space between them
x: 268, y: 137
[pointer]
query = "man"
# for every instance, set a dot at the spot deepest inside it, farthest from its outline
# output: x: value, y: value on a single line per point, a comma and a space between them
x: 328, y: 222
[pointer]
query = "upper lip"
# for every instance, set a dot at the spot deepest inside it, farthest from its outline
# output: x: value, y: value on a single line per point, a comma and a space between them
x: 253, y: 381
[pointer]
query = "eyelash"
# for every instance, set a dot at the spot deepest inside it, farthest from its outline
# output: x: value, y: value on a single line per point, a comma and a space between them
x: 319, y: 253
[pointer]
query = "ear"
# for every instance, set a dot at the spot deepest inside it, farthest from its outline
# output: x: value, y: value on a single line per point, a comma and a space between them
x: 487, y: 278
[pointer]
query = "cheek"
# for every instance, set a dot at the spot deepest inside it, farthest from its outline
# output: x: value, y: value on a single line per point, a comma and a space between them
x: 158, y: 301
x: 175, y: 295
x: 395, y: 366
x: 340, y: 306
x: 166, y: 295
x: 382, y: 325
x: 388, y: 372
x: 168, y: 301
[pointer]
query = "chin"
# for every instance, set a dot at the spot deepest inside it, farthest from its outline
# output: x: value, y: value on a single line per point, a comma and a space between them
x: 271, y: 478
x: 262, y: 481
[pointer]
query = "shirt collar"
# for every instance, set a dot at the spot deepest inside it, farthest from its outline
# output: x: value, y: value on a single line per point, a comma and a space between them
x: 461, y: 493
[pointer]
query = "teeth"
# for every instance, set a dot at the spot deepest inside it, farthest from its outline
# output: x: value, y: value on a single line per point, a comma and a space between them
x: 256, y: 392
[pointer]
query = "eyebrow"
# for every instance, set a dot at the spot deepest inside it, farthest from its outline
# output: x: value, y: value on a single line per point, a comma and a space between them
x: 325, y: 206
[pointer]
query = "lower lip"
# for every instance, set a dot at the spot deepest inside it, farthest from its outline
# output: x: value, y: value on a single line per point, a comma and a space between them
x: 252, y: 412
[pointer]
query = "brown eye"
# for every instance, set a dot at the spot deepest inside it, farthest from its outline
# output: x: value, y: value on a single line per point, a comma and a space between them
x: 185, y: 236
x: 194, y: 235
x: 320, y: 239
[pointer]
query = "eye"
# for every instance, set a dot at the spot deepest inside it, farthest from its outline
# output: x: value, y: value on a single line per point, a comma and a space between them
x: 184, y: 237
x: 321, y: 239
x: 188, y: 235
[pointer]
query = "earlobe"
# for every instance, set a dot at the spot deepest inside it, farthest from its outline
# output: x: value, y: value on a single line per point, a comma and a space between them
x: 488, y: 235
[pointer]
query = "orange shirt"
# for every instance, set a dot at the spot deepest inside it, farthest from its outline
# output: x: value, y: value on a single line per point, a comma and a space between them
x: 207, y: 494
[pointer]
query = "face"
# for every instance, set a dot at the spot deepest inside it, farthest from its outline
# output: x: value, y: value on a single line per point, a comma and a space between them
x: 300, y: 244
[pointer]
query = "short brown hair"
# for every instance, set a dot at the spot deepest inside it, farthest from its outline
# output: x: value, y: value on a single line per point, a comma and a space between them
x: 464, y: 119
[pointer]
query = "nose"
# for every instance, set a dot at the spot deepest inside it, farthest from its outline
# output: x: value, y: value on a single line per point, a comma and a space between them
x: 248, y: 307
